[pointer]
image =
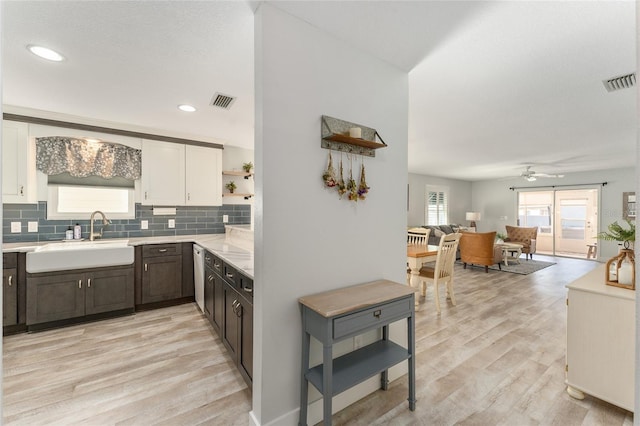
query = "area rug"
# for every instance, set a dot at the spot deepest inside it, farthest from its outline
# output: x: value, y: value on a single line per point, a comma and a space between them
x: 525, y: 267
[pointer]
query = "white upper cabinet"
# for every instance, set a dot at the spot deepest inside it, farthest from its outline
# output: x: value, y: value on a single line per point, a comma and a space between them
x: 176, y: 175
x: 17, y: 183
x: 203, y: 177
x: 163, y: 173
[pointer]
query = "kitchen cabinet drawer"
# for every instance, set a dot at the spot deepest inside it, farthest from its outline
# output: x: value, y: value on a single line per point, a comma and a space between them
x: 231, y: 275
x: 154, y: 250
x: 214, y: 262
x: 245, y: 287
x: 374, y: 317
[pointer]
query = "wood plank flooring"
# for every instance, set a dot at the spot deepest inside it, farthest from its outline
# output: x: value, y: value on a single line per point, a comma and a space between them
x: 157, y: 367
x: 497, y: 358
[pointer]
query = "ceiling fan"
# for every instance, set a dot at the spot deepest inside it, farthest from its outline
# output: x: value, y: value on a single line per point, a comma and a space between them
x: 531, y: 175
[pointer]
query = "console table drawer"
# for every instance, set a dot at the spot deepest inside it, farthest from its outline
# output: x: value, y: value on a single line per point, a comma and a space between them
x: 374, y: 317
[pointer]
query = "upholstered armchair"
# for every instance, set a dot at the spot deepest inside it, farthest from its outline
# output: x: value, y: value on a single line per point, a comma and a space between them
x: 525, y: 236
x: 479, y: 248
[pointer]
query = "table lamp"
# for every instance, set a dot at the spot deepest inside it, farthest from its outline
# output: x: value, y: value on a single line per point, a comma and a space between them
x: 472, y: 217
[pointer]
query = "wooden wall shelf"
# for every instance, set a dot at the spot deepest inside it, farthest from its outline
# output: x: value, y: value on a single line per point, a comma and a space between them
x: 335, y: 136
x: 355, y: 141
x: 237, y: 173
x: 236, y: 194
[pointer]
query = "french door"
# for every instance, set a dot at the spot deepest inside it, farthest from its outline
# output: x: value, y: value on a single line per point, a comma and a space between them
x: 567, y: 220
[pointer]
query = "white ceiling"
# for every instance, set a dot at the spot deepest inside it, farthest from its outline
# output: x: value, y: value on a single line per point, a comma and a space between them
x: 494, y: 86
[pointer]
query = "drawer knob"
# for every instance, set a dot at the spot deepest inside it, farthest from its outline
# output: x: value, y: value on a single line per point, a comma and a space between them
x: 377, y: 313
x: 248, y: 289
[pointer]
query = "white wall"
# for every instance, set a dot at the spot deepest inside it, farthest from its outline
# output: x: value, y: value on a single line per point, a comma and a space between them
x: 306, y: 239
x: 459, y: 198
x: 494, y: 199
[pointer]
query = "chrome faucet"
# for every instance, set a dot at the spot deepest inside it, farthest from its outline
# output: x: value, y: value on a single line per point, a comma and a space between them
x: 105, y: 222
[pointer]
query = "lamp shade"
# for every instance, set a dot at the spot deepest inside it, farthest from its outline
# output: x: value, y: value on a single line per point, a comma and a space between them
x: 473, y: 216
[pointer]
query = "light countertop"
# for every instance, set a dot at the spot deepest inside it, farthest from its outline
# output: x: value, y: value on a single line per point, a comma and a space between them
x: 239, y: 257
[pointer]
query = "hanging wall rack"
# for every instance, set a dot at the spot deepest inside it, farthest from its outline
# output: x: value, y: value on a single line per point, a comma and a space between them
x: 335, y: 136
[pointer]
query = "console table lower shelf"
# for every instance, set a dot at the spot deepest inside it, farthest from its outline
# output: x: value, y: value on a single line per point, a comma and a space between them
x: 336, y: 315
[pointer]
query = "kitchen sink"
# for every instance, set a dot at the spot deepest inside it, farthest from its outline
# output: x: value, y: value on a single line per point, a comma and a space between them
x: 62, y: 256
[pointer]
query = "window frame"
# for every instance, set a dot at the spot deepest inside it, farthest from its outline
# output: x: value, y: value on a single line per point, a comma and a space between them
x: 444, y: 191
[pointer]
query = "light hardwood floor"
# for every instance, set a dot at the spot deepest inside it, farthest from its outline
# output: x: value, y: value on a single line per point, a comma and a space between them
x: 497, y: 358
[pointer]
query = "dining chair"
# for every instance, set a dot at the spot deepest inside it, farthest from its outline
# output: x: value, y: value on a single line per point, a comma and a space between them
x: 442, y: 272
x: 418, y: 236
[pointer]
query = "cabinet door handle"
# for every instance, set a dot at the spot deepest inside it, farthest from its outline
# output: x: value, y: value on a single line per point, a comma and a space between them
x: 79, y: 283
x: 217, y: 266
x: 146, y: 267
x: 207, y: 258
x: 229, y: 275
x: 89, y: 283
x: 210, y: 278
x: 145, y: 195
x: 10, y: 280
x: 188, y: 196
x: 162, y: 250
x: 21, y: 189
x: 248, y: 289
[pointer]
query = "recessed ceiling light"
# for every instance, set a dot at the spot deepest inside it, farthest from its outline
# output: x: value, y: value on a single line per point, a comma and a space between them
x: 45, y: 53
x: 186, y: 108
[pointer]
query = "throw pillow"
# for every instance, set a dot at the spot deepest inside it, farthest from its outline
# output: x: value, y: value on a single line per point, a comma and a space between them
x: 446, y: 229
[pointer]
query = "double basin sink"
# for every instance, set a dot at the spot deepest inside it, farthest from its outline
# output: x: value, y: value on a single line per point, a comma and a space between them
x: 62, y: 256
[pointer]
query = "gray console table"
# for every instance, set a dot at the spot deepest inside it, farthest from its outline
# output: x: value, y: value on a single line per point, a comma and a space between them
x: 340, y: 314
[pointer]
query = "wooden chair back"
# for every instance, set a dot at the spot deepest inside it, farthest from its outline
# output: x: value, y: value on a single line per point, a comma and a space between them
x: 446, y: 254
x: 418, y: 236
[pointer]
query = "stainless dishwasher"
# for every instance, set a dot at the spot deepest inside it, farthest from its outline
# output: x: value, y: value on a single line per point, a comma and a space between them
x: 198, y: 275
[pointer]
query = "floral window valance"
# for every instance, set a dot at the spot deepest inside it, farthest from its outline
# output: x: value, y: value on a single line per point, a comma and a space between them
x: 81, y: 158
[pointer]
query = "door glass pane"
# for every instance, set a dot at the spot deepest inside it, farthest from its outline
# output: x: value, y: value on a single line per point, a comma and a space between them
x: 573, y: 220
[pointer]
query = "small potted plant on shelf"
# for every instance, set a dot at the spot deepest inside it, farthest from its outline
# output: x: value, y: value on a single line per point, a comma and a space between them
x: 247, y: 167
x: 231, y: 186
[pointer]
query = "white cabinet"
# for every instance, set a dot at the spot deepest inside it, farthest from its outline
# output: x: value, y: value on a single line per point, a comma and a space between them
x: 162, y: 173
x: 601, y: 340
x: 177, y: 175
x: 17, y: 187
x: 203, y: 178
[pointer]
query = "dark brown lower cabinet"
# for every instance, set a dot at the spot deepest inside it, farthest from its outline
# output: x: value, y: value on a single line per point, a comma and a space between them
x: 237, y: 334
x: 161, y: 273
x: 65, y: 295
x: 9, y: 296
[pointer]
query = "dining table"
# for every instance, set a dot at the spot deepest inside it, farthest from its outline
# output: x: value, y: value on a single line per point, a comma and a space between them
x: 417, y: 255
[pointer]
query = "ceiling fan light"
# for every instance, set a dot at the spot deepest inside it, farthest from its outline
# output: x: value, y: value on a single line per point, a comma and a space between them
x: 531, y: 178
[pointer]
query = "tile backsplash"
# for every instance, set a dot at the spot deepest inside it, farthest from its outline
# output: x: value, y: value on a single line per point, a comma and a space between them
x: 188, y: 220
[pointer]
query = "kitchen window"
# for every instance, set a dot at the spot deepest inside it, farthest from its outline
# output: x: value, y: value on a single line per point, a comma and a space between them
x: 78, y: 202
x: 85, y: 175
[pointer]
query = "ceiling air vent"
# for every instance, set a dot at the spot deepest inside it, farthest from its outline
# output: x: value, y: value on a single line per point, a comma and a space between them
x: 222, y: 101
x: 622, y: 82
